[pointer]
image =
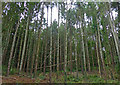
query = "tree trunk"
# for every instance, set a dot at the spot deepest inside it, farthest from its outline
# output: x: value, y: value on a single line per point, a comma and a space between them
x: 28, y: 60
x: 100, y: 48
x: 33, y: 56
x: 83, y: 48
x: 99, y: 65
x: 54, y: 57
x: 92, y: 55
x: 76, y: 58
x: 114, y: 34
x: 12, y: 49
x: 26, y: 55
x: 16, y: 48
x: 45, y: 45
x: 41, y: 63
x: 87, y: 54
x: 70, y: 52
x: 45, y: 56
x: 18, y: 64
x: 23, y: 52
x: 50, y: 47
x: 38, y: 44
x: 65, y: 53
x: 58, y: 43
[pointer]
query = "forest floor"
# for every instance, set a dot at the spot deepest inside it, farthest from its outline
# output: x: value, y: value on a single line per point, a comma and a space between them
x: 71, y: 78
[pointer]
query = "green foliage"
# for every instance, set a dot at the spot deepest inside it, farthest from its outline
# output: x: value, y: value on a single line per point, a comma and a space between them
x: 95, y: 79
x: 42, y: 77
x: 4, y: 69
x: 117, y: 68
x: 13, y: 71
x: 113, y: 81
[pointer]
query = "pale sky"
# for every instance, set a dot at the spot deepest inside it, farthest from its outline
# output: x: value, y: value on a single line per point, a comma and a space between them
x: 54, y: 14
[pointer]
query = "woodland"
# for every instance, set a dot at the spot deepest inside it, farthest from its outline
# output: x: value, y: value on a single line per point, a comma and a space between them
x: 78, y: 43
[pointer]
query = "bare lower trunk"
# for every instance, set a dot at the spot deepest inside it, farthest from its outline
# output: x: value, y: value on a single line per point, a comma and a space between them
x: 12, y: 49
x: 100, y: 48
x: 18, y: 64
x: 54, y: 58
x: 23, y: 52
x: 99, y: 65
x: 87, y: 53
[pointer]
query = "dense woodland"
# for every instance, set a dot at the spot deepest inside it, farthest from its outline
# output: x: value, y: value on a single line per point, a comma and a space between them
x: 84, y: 40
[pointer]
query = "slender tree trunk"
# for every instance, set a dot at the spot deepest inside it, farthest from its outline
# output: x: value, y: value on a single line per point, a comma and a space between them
x: 87, y: 53
x: 65, y: 53
x: 83, y: 48
x: 92, y: 55
x: 76, y: 58
x: 45, y: 45
x: 114, y: 34
x: 29, y: 51
x: 41, y: 63
x: 45, y: 56
x: 18, y: 64
x: 38, y: 44
x: 16, y: 48
x: 54, y: 57
x: 100, y: 47
x: 26, y: 55
x: 58, y: 44
x: 99, y: 65
x: 70, y: 51
x: 23, y: 52
x: 12, y: 49
x: 50, y: 47
x: 61, y: 58
x: 33, y: 57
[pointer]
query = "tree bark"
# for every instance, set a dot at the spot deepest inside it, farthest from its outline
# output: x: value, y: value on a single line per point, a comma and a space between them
x: 12, y: 49
x: 99, y: 65
x: 18, y: 64
x: 70, y: 51
x: 29, y: 51
x: 83, y: 49
x: 50, y: 47
x: 33, y: 56
x: 87, y: 54
x: 54, y: 57
x: 114, y: 34
x: 38, y: 44
x: 45, y: 45
x: 100, y: 48
x: 65, y: 53
x: 58, y: 43
x: 23, y: 52
x: 76, y: 58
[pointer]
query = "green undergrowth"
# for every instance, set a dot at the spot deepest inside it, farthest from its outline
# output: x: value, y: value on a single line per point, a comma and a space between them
x: 12, y: 70
x: 71, y: 77
x: 84, y: 79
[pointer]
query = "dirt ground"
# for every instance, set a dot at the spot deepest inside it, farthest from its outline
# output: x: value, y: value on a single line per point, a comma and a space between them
x: 17, y: 79
x: 23, y: 79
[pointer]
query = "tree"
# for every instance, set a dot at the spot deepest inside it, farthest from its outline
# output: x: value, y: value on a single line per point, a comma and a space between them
x: 23, y: 52
x: 38, y: 44
x: 12, y: 48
